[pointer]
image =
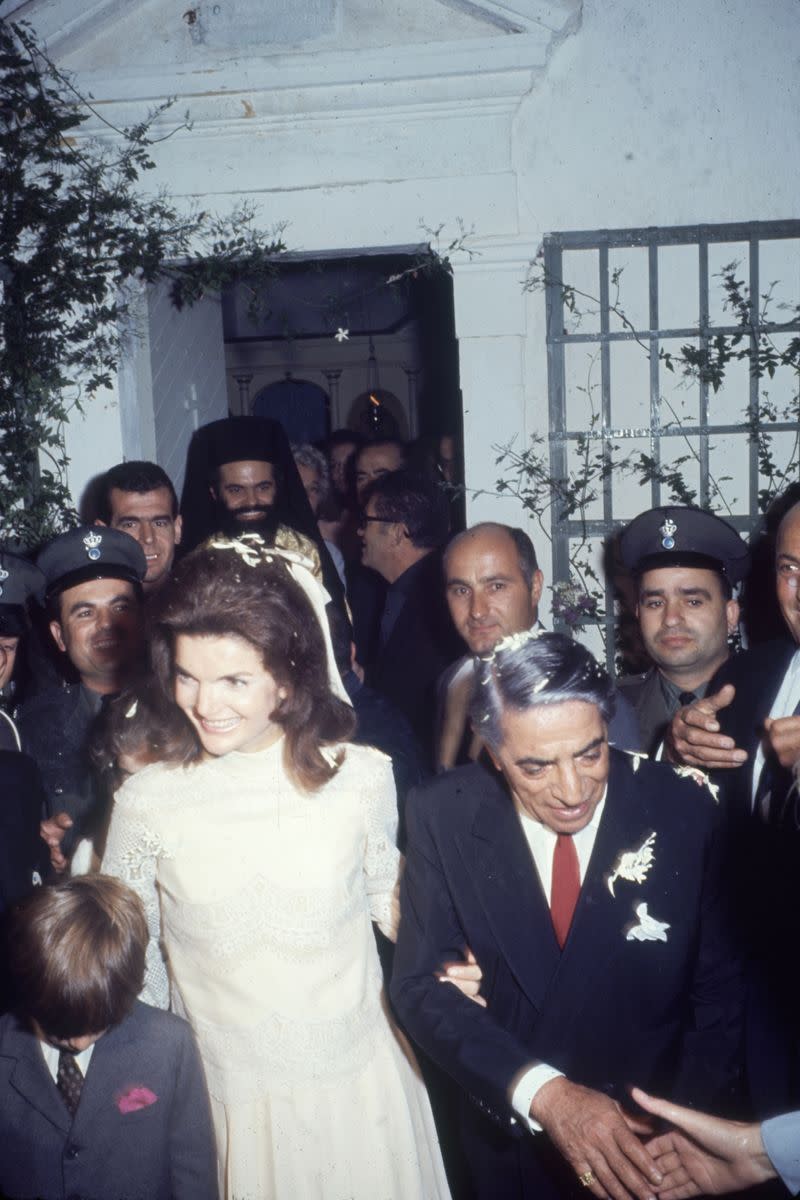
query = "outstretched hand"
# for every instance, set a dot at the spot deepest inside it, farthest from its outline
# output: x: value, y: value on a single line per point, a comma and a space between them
x: 694, y: 735
x: 598, y: 1140
x: 704, y: 1155
x: 52, y: 832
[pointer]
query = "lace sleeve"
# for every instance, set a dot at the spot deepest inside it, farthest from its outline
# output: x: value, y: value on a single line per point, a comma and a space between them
x: 382, y: 859
x: 132, y: 853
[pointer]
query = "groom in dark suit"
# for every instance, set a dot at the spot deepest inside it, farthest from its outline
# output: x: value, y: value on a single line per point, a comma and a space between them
x: 587, y: 884
x: 402, y: 527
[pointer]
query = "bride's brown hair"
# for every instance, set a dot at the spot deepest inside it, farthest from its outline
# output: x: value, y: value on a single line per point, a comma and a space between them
x: 215, y: 592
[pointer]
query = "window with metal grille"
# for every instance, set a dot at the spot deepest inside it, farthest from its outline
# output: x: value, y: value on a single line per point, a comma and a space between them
x: 627, y: 311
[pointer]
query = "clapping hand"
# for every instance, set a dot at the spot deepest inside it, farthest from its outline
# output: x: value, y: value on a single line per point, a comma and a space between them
x: 52, y: 831
x: 782, y: 735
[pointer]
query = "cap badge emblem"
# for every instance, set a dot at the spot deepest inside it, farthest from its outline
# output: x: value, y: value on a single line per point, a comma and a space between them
x: 92, y: 543
x: 667, y: 531
x: 3, y: 578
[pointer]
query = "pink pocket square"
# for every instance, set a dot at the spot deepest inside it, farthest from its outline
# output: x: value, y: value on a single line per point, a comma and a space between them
x: 134, y: 1098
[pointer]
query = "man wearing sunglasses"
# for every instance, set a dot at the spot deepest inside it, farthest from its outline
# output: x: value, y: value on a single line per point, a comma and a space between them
x: 403, y: 525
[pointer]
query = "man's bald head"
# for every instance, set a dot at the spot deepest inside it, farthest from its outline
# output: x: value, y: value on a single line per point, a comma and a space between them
x: 486, y: 530
x: 493, y: 584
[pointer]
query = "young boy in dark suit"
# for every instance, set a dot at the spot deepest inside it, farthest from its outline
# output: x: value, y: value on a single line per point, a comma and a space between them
x: 101, y: 1096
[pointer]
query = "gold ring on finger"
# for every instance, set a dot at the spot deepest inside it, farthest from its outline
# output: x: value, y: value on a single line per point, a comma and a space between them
x: 587, y: 1179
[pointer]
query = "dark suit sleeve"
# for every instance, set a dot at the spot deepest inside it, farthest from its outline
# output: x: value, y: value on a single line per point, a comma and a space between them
x: 23, y: 854
x: 193, y: 1159
x: 461, y: 1036
x: 710, y: 1067
x: 55, y: 727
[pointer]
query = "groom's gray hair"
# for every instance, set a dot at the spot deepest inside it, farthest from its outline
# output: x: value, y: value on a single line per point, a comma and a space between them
x: 527, y: 670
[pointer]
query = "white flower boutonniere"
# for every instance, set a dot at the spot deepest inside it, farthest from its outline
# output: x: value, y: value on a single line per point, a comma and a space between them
x: 633, y: 865
x: 648, y: 929
x: 700, y: 778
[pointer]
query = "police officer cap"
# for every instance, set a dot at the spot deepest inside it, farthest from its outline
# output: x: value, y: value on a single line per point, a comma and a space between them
x: 19, y: 580
x: 684, y: 537
x: 90, y: 552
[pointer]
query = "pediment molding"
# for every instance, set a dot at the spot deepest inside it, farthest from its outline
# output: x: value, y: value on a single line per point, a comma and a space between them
x: 508, y: 39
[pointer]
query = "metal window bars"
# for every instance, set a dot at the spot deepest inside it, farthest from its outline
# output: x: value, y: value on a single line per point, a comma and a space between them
x: 658, y: 432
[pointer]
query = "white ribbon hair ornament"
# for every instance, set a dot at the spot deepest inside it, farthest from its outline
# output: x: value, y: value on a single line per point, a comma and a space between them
x: 252, y: 549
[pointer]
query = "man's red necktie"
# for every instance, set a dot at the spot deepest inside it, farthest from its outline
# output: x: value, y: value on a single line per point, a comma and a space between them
x: 565, y: 887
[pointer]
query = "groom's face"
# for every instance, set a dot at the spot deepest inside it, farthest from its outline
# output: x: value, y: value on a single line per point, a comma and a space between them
x: 555, y: 760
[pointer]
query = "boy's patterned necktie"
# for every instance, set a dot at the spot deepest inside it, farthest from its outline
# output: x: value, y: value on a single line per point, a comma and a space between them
x: 69, y: 1080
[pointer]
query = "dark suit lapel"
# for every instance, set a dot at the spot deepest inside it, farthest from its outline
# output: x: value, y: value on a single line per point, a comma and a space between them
x: 504, y: 874
x: 770, y: 678
x: 76, y: 710
x: 755, y: 692
x: 599, y: 918
x: 32, y: 1080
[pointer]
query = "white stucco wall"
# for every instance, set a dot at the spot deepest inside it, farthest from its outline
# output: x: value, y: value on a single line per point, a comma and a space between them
x: 187, y: 360
x: 665, y: 114
x: 607, y: 114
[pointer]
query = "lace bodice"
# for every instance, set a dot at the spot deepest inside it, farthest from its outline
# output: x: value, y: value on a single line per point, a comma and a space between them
x: 260, y: 897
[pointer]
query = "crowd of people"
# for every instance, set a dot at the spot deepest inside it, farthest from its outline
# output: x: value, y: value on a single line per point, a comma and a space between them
x: 327, y: 871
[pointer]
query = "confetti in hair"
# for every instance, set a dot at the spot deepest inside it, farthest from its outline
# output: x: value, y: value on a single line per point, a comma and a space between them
x: 513, y: 641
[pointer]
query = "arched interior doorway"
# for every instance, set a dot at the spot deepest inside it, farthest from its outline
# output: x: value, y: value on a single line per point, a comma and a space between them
x: 301, y: 407
x: 371, y: 322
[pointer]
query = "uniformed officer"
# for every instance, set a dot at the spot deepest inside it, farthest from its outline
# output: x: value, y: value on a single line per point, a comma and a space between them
x: 685, y: 563
x: 19, y: 581
x: 93, y: 596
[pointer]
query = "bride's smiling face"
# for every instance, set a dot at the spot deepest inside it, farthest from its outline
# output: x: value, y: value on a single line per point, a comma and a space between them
x: 227, y: 693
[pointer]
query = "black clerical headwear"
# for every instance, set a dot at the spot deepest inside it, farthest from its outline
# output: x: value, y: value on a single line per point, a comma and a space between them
x: 240, y: 439
x: 248, y: 439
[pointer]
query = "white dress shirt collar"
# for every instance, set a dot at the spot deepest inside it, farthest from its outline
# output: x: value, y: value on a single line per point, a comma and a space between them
x: 542, y: 843
x: 51, y: 1054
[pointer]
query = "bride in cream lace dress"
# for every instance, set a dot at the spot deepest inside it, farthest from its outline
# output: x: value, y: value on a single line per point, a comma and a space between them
x: 262, y: 866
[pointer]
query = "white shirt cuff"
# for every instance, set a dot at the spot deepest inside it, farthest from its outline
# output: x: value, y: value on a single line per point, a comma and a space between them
x: 780, y: 1138
x: 529, y: 1084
